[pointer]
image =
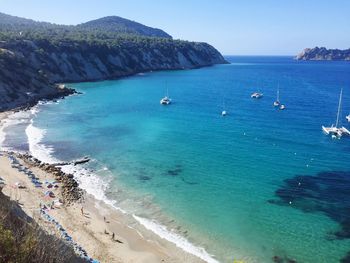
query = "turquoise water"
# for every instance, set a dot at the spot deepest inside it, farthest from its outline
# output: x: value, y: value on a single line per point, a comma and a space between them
x: 210, y: 178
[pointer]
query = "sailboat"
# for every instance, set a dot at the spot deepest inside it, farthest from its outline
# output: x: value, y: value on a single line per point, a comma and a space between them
x: 336, y: 131
x: 348, y: 118
x: 277, y: 101
x: 166, y: 100
x: 224, y: 112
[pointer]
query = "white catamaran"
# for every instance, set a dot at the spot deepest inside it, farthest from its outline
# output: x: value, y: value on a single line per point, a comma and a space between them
x: 166, y: 100
x: 256, y: 95
x: 336, y: 131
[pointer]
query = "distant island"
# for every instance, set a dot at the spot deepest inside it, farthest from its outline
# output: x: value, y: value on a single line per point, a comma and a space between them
x: 322, y: 53
x: 35, y: 56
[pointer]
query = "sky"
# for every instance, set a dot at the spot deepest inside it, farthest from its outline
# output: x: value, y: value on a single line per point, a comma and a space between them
x: 234, y: 27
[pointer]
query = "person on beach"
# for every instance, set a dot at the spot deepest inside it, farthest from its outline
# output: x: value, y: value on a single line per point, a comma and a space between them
x: 113, y: 236
x: 82, y: 211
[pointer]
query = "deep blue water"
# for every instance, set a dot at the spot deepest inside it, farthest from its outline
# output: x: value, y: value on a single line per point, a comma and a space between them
x: 220, y: 181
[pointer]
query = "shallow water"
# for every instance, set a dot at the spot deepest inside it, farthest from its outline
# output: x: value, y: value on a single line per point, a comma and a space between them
x: 212, y: 179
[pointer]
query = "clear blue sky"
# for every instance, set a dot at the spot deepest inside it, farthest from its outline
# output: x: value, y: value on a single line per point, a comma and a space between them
x: 239, y: 27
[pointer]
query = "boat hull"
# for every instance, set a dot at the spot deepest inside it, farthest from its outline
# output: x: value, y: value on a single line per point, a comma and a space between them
x: 339, y: 132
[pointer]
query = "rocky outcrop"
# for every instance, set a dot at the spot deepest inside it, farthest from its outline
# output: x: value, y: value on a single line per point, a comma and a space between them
x: 70, y: 190
x: 321, y: 53
x: 22, y: 85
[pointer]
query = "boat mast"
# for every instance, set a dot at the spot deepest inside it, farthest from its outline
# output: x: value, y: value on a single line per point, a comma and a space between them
x: 339, y: 106
x: 167, y: 90
x: 278, y: 92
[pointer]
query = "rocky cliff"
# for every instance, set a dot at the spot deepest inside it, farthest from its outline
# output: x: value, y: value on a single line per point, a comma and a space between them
x: 36, y: 56
x: 23, y: 85
x: 321, y: 53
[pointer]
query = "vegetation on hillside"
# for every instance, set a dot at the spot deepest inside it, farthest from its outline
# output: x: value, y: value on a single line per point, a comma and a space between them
x: 111, y: 29
x: 121, y: 25
x: 23, y: 241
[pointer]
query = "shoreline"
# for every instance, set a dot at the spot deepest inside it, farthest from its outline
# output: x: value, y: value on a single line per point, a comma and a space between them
x: 137, y: 243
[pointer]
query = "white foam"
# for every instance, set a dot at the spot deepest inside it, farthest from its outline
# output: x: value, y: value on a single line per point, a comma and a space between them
x: 178, y: 240
x: 96, y: 186
x: 90, y: 182
x: 17, y: 118
x: 10, y: 120
x: 37, y: 149
x: 87, y: 180
x: 3, y: 125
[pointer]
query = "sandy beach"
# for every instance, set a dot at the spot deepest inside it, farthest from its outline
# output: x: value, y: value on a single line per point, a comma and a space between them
x: 91, y: 223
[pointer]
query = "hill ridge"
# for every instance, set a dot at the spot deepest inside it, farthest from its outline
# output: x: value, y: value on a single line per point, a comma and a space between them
x: 36, y: 55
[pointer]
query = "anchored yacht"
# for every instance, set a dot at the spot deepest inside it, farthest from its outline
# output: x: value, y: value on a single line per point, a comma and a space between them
x: 166, y: 100
x: 277, y: 101
x: 336, y: 131
x: 224, y: 112
x: 256, y: 95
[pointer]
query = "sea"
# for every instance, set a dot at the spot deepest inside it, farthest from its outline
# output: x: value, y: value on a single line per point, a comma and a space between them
x: 257, y: 185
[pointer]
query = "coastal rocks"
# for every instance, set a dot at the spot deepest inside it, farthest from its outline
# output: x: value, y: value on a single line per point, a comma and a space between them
x: 83, y: 160
x: 321, y: 53
x: 70, y: 190
x: 21, y: 85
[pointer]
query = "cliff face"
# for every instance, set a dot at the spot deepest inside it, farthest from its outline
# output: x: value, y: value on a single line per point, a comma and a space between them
x: 28, y: 69
x: 323, y: 54
x: 36, y: 55
x: 21, y: 84
x: 68, y: 62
